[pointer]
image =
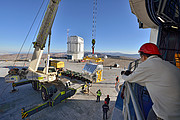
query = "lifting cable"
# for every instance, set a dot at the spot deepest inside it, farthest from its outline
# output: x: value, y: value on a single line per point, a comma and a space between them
x: 36, y: 32
x: 94, y: 24
x: 28, y: 32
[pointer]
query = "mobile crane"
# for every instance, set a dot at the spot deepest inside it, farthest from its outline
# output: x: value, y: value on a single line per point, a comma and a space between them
x: 53, y: 89
x: 42, y: 78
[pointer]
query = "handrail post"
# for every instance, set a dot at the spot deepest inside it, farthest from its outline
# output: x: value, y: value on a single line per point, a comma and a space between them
x: 130, y: 93
x: 126, y: 105
x: 137, y: 108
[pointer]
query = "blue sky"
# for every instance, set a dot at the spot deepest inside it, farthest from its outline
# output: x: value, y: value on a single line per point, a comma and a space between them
x: 116, y: 29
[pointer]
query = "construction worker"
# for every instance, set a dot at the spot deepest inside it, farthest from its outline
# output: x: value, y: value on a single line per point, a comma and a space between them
x: 98, y: 95
x: 107, y: 99
x: 117, y: 79
x: 162, y: 80
x: 86, y: 88
x: 105, y: 110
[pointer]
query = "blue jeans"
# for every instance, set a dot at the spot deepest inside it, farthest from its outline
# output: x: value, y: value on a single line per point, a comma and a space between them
x: 104, y: 115
x: 98, y: 99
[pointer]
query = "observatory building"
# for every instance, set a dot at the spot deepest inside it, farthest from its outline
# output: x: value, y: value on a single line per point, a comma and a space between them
x: 75, y: 48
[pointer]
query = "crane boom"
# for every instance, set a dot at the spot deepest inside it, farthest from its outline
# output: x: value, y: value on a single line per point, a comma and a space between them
x: 45, y: 29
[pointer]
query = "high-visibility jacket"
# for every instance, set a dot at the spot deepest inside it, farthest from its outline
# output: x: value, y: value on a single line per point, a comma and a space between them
x: 162, y: 80
x: 98, y: 93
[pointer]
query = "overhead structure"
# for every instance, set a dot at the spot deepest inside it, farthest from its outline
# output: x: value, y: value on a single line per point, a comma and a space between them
x: 163, y: 17
x: 154, y: 13
x: 139, y: 9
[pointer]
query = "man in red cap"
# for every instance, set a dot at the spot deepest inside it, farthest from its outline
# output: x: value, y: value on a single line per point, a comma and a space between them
x: 162, y: 80
x: 107, y: 99
x: 105, y: 110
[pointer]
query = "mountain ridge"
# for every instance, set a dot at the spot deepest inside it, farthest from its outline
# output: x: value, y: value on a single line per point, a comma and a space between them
x: 12, y: 56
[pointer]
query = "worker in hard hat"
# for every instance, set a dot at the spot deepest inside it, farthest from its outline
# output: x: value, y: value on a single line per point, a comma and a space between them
x: 162, y: 80
x: 107, y: 99
x: 105, y: 110
x: 98, y: 95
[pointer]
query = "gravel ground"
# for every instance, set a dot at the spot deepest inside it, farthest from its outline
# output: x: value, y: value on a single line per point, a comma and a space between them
x: 78, y: 107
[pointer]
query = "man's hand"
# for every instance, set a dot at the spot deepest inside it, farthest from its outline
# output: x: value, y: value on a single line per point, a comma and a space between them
x: 122, y: 72
x: 127, y: 72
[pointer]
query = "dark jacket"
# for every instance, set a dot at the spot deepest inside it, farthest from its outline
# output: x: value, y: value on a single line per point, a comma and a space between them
x: 107, y: 100
x: 105, y: 108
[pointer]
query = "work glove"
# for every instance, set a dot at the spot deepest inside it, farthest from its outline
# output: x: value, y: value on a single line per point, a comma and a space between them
x: 127, y: 72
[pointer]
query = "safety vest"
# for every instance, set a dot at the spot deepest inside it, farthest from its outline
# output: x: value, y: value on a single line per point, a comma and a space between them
x: 99, y: 93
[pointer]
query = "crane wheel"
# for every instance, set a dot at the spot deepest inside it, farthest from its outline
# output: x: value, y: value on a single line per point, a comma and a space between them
x: 35, y: 85
x: 44, y: 94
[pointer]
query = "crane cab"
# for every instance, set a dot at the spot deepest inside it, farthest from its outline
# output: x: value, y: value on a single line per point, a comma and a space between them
x: 41, y: 76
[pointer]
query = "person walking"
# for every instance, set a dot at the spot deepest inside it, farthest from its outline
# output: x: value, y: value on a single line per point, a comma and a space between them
x: 98, y: 95
x: 107, y: 99
x: 162, y: 80
x: 105, y: 108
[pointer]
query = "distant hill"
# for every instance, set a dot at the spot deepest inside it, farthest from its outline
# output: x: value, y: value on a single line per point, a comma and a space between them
x: 115, y: 55
x: 25, y: 57
x: 122, y: 54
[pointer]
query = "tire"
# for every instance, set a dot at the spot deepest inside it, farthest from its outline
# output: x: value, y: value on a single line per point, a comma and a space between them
x: 44, y: 94
x: 35, y: 85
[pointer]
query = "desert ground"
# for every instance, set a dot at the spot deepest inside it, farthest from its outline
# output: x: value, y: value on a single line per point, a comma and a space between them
x: 79, y: 107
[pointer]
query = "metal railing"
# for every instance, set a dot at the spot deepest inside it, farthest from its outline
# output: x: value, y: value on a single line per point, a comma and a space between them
x: 130, y: 97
